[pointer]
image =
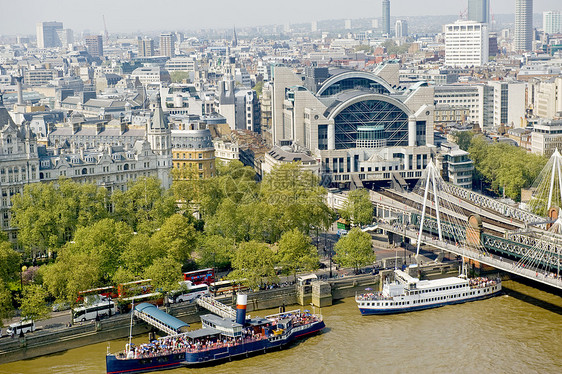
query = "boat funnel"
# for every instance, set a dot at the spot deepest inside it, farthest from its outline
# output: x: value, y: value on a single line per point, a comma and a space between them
x: 241, y: 303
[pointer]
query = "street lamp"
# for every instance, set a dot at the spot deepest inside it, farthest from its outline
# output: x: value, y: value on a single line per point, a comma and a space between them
x: 23, y: 269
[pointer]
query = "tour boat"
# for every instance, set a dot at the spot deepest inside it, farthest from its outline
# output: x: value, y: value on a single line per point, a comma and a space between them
x: 220, y: 339
x: 406, y: 293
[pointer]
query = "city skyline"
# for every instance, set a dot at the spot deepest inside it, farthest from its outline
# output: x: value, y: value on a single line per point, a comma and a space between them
x: 135, y: 16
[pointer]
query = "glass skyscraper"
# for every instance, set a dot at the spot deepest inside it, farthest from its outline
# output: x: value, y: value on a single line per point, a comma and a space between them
x: 479, y: 11
x: 386, y: 17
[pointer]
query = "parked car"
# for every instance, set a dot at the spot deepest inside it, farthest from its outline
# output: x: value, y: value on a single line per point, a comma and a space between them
x: 58, y: 307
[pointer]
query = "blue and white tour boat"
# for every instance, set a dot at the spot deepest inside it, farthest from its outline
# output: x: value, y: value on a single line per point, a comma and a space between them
x: 406, y: 293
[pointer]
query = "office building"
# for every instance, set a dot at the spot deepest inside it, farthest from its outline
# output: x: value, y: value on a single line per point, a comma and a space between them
x: 146, y: 47
x: 167, y: 44
x: 94, y: 45
x: 66, y: 37
x: 314, y: 26
x: 466, y: 44
x: 358, y: 128
x: 348, y: 24
x: 546, y: 137
x: 401, y: 28
x: 386, y: 17
x: 479, y: 11
x: 47, y: 34
x: 523, y: 38
x: 551, y: 22
x: 509, y: 103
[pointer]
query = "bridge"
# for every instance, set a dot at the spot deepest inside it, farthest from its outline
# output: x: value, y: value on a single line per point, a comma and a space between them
x: 159, y: 319
x: 477, y: 227
x: 216, y: 307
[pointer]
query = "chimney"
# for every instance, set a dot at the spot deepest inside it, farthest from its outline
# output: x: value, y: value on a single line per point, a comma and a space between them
x: 19, y: 89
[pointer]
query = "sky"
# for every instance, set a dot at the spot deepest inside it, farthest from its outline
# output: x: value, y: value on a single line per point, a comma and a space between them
x: 130, y: 16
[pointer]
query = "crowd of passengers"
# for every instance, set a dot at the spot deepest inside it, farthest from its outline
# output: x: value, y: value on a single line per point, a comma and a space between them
x: 181, y: 343
x: 481, y: 282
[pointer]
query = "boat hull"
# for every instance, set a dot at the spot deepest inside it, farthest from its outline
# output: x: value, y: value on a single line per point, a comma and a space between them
x: 381, y: 311
x: 203, y: 358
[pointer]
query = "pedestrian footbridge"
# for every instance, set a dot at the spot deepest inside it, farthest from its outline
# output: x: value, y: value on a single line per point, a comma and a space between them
x: 216, y: 307
x: 160, y: 319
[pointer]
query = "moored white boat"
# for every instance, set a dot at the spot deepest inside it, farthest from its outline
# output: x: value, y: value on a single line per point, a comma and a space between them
x: 407, y: 293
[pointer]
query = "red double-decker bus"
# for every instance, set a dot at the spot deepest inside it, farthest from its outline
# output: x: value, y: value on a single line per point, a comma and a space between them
x: 107, y: 292
x: 203, y: 276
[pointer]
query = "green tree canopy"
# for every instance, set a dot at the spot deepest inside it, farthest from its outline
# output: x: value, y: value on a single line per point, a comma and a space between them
x: 33, y: 302
x: 463, y: 139
x: 179, y: 76
x: 215, y: 251
x: 255, y: 263
x: 10, y: 262
x: 505, y: 168
x: 176, y: 238
x: 296, y: 198
x: 354, y: 249
x: 296, y: 253
x: 48, y: 214
x: 165, y: 274
x: 6, y: 306
x: 358, y: 207
x: 144, y: 205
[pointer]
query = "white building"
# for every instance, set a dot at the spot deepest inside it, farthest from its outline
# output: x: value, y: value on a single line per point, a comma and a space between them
x: 509, y: 103
x: 523, y: 37
x: 551, y: 22
x: 546, y: 137
x: 181, y: 63
x: 48, y: 34
x: 151, y: 75
x: 478, y: 99
x: 547, y: 101
x: 401, y: 28
x: 466, y: 44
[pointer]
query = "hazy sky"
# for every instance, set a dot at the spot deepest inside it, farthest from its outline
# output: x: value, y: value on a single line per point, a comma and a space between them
x: 20, y: 16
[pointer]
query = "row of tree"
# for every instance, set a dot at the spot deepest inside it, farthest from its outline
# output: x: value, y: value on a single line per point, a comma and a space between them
x: 503, y: 168
x: 100, y: 238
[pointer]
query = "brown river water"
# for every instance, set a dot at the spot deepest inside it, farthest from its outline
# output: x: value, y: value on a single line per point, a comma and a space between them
x: 518, y: 332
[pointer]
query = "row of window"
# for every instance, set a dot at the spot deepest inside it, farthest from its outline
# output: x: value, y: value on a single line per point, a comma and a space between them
x: 428, y: 300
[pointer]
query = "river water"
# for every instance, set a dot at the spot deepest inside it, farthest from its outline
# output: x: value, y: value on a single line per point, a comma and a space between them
x: 518, y: 332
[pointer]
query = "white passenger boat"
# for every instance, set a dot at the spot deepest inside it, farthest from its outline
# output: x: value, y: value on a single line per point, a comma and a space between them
x: 406, y: 293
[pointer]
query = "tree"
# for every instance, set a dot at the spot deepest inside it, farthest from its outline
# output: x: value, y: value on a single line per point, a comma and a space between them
x: 296, y: 198
x: 254, y: 263
x: 505, y: 168
x: 104, y: 241
x: 71, y: 273
x: 138, y: 255
x: 463, y: 139
x: 258, y: 88
x: 165, y: 274
x: 176, y: 238
x: 354, y: 249
x: 358, y: 207
x: 6, y: 306
x: 179, y: 76
x: 10, y: 262
x: 144, y: 206
x: 48, y: 214
x: 296, y: 253
x: 33, y: 302
x: 215, y: 251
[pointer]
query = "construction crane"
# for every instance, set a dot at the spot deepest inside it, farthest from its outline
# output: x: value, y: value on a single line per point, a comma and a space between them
x: 106, y: 34
x: 463, y: 15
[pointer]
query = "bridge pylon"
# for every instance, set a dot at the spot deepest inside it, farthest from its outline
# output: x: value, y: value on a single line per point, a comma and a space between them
x: 547, y: 188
